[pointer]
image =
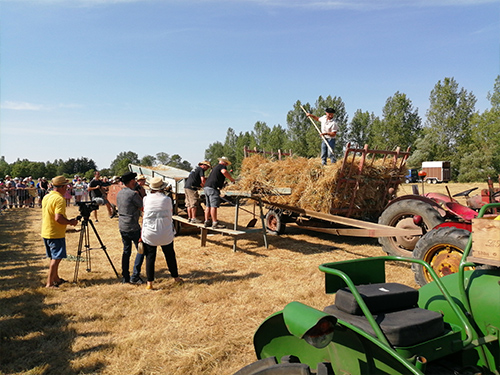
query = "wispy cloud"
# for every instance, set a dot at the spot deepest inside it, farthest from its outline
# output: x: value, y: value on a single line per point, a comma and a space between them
x: 23, y: 106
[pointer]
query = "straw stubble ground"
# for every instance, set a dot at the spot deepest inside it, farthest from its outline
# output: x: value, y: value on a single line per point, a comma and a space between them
x: 204, y: 326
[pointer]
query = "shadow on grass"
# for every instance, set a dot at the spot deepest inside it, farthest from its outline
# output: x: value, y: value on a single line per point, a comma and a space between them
x: 34, y: 337
x: 209, y: 278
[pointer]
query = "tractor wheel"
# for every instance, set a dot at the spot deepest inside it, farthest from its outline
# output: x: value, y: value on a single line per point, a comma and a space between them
x: 269, y: 366
x: 400, y: 215
x: 442, y: 249
x: 275, y: 222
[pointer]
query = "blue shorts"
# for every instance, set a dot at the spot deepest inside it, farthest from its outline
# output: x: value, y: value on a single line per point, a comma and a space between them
x: 212, y: 197
x: 55, y: 248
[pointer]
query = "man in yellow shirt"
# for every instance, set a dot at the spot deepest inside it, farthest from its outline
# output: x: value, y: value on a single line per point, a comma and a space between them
x: 54, y: 224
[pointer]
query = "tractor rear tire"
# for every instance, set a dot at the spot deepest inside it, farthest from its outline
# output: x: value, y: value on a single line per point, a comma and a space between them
x: 400, y: 215
x: 442, y: 249
x: 274, y: 222
x: 277, y: 369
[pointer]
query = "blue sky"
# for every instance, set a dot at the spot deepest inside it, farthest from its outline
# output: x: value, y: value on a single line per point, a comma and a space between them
x: 93, y: 78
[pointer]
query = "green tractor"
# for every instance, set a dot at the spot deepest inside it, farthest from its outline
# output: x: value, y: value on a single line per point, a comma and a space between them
x: 449, y: 326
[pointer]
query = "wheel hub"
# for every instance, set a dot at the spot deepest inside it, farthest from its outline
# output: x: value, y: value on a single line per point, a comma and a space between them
x: 407, y: 242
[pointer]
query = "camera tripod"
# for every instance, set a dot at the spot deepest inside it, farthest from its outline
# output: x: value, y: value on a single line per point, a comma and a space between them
x: 84, y: 246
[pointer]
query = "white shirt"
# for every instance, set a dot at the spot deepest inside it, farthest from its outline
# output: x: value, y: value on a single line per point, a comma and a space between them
x: 157, y: 224
x: 328, y: 126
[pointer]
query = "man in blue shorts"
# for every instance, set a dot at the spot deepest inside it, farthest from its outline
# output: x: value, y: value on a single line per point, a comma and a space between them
x: 214, y: 183
x: 54, y: 224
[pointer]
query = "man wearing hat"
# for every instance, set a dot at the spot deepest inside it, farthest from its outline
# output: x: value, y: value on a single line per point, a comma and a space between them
x: 194, y: 182
x: 329, y: 128
x: 214, y: 183
x: 129, y: 211
x: 54, y: 224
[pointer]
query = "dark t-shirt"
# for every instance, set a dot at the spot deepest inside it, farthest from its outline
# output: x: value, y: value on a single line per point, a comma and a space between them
x: 194, y: 179
x: 97, y: 193
x: 216, y: 179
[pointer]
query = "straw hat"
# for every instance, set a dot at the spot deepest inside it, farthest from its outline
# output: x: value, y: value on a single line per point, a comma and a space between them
x: 205, y: 162
x: 141, y: 177
x: 157, y: 183
x: 225, y: 160
x: 60, y: 181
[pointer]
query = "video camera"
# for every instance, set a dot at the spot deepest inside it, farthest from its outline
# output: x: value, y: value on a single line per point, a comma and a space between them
x: 87, y: 207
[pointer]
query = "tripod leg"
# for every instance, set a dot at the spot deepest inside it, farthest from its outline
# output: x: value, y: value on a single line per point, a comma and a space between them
x: 79, y: 252
x: 103, y: 247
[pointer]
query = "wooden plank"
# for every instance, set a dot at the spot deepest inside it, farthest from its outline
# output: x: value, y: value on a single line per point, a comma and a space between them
x: 249, y: 194
x: 341, y: 220
x: 363, y: 232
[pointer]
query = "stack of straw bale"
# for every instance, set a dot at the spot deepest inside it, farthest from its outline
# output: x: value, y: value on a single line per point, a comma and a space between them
x: 314, y: 187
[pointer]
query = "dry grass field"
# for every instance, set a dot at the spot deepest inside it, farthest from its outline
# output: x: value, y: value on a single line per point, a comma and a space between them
x: 204, y: 326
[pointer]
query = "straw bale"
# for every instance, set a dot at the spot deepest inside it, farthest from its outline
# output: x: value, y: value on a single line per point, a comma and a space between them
x: 316, y: 187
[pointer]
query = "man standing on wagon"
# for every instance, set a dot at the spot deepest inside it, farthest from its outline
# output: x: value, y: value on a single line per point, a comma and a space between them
x: 329, y: 128
x: 195, y: 181
x: 214, y: 183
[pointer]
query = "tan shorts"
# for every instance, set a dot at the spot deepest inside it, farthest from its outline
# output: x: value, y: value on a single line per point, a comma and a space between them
x: 192, y: 198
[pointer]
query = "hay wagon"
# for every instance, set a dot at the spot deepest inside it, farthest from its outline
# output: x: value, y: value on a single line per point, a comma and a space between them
x: 348, y: 203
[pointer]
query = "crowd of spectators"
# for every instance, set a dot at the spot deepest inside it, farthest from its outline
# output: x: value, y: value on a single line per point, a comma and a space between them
x: 25, y: 192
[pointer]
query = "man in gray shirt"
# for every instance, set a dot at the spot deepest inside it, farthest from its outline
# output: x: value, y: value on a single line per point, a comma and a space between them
x: 129, y: 205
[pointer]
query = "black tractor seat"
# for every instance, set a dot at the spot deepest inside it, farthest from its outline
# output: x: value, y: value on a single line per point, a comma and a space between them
x: 394, y: 307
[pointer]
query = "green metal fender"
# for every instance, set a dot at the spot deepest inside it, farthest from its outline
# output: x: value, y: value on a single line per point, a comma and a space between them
x: 349, y: 351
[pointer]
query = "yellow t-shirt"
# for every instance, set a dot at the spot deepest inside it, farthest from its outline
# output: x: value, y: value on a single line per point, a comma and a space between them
x: 52, y: 204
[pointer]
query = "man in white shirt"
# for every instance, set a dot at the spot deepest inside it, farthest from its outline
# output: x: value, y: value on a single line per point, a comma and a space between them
x: 328, y: 133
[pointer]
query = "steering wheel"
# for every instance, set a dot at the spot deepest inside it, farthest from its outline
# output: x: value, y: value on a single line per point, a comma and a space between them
x: 466, y: 193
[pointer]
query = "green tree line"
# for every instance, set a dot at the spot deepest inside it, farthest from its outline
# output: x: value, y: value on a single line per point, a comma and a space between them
x: 86, y: 167
x: 453, y: 131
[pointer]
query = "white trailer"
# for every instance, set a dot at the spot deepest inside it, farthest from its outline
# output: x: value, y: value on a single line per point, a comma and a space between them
x: 436, y: 171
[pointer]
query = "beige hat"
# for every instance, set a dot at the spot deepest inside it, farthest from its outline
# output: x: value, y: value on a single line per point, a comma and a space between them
x: 60, y: 181
x: 141, y: 177
x: 205, y: 162
x: 157, y: 183
x: 225, y: 160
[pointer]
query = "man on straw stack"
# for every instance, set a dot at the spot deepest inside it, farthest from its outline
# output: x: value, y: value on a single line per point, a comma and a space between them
x: 328, y: 132
x: 214, y: 183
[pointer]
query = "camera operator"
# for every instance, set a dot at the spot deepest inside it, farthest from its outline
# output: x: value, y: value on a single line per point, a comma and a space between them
x: 54, y: 224
x: 129, y: 211
x: 97, y: 190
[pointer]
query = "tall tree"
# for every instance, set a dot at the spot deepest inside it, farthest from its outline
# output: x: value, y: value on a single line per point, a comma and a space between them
x: 360, y: 130
x: 214, y: 152
x: 400, y: 126
x: 162, y: 158
x: 298, y: 128
x: 148, y: 160
x: 449, y: 120
x: 120, y: 165
x: 261, y: 135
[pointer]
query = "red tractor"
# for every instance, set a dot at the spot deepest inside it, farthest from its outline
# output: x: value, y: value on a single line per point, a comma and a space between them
x: 446, y: 224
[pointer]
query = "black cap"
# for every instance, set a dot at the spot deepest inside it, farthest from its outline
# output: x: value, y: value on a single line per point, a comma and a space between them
x: 329, y: 110
x: 129, y: 176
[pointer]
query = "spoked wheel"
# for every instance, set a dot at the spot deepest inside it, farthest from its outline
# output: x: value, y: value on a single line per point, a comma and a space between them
x: 269, y: 366
x: 400, y: 215
x: 442, y: 249
x: 275, y: 222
